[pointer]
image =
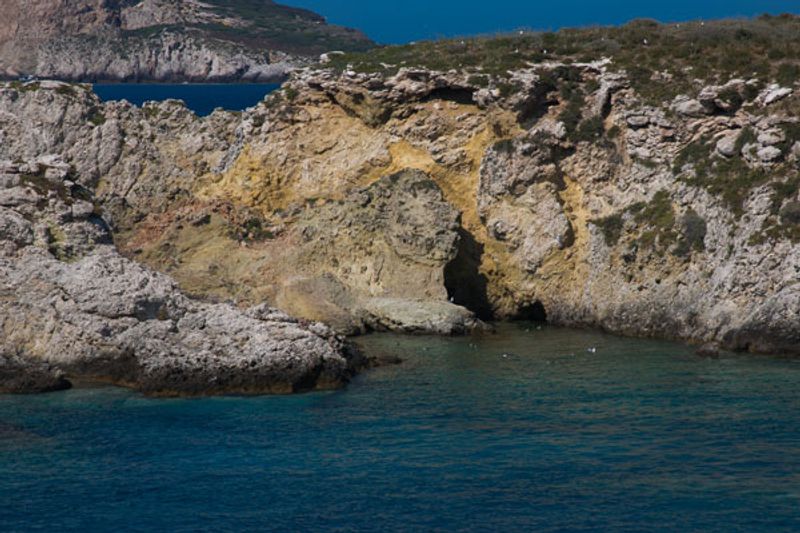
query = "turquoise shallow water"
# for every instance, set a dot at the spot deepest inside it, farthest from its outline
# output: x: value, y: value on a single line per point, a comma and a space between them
x: 521, y: 431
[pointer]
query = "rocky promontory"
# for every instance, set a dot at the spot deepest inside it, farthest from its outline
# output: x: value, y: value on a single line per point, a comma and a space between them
x: 163, y: 40
x: 416, y: 189
x: 72, y: 306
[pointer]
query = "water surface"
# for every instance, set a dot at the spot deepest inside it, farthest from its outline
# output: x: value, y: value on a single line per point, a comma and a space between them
x: 200, y: 98
x: 410, y: 20
x: 520, y: 431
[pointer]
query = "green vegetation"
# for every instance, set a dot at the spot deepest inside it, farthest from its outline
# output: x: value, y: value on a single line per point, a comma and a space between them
x: 611, y: 226
x: 504, y: 146
x: 290, y: 93
x: 767, y: 47
x: 790, y: 214
x: 785, y: 211
x: 57, y: 245
x: 151, y: 111
x: 67, y: 90
x: 784, y: 190
x: 478, y: 80
x: 659, y: 217
x: 747, y: 136
x: 656, y: 219
x: 96, y: 117
x: 589, y: 130
x: 253, y: 230
x: 693, y: 234
x: 282, y: 27
x: 792, y: 133
x: 729, y: 178
x: 25, y: 87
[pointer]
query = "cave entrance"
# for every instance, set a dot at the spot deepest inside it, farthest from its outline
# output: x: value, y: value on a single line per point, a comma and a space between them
x: 534, y: 312
x: 452, y: 94
x: 466, y: 285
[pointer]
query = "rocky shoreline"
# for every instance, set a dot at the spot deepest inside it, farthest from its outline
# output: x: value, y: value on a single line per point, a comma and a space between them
x: 72, y: 306
x: 412, y: 200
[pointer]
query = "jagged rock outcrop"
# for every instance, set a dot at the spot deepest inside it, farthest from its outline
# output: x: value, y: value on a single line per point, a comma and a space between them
x: 375, y: 260
x: 72, y: 307
x: 159, y: 40
x: 555, y: 190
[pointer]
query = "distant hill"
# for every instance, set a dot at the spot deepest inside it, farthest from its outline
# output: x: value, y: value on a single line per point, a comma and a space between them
x: 163, y: 40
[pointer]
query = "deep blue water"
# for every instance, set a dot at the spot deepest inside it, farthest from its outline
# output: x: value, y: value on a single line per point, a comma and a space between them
x: 200, y: 98
x: 409, y: 20
x: 520, y: 431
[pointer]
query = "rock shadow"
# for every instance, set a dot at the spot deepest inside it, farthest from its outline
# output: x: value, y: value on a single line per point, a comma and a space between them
x: 465, y: 284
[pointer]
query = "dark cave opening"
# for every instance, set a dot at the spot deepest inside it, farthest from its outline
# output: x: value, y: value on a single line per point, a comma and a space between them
x: 465, y: 284
x: 534, y: 312
x: 534, y: 108
x: 452, y: 94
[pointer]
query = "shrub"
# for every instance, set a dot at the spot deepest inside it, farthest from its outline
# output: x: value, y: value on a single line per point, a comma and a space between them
x: 732, y: 97
x: 96, y: 117
x: 693, y: 234
x: 658, y: 212
x: 784, y: 190
x: 787, y: 74
x: 290, y: 93
x: 504, y: 146
x: 66, y: 90
x: 746, y: 136
x: 611, y: 227
x: 790, y: 214
x: 659, y: 217
x: 589, y: 130
x: 478, y: 80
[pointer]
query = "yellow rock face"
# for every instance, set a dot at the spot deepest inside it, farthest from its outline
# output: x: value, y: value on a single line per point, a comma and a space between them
x: 318, y: 156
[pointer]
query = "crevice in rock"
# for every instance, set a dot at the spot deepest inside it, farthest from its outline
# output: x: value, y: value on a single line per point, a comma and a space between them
x: 458, y: 95
x: 533, y: 109
x: 534, y: 312
x: 465, y: 284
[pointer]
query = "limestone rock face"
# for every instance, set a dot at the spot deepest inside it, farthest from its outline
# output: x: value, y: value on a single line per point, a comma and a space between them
x: 71, y: 306
x: 19, y: 375
x: 518, y: 199
x: 376, y: 260
x: 420, y: 200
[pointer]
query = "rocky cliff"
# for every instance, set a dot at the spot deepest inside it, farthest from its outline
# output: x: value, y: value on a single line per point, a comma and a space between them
x: 162, y: 40
x: 72, y: 307
x: 586, y: 193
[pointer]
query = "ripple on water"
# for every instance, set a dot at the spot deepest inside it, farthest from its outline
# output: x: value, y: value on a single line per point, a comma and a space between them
x: 638, y: 435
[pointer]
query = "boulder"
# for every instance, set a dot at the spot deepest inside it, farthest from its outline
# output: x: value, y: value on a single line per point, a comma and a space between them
x: 773, y: 93
x: 726, y: 145
x: 769, y: 154
x: 689, y: 107
x: 419, y: 316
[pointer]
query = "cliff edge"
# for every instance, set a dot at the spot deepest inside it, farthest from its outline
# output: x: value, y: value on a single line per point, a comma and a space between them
x: 163, y: 40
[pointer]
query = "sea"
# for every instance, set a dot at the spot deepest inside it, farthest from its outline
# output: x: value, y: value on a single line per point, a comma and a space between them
x: 202, y: 98
x: 394, y: 22
x: 532, y: 428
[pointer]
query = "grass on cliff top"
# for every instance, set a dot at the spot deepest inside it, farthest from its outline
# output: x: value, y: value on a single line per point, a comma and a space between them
x: 269, y: 26
x: 280, y: 27
x: 767, y: 47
